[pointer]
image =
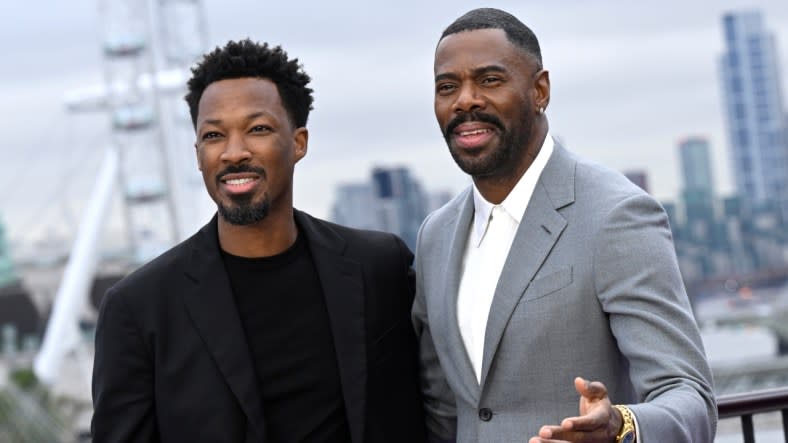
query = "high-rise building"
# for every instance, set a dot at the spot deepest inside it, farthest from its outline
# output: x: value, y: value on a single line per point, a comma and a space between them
x: 438, y: 198
x: 354, y: 206
x: 6, y: 265
x: 696, y: 164
x: 754, y: 110
x: 638, y: 177
x: 698, y: 184
x: 393, y: 201
x: 402, y: 202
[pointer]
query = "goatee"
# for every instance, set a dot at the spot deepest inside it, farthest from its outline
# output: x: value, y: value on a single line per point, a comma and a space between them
x: 246, y: 213
x: 502, y: 159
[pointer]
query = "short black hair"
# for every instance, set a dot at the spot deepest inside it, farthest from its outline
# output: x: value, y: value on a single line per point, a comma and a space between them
x: 245, y: 58
x: 491, y: 18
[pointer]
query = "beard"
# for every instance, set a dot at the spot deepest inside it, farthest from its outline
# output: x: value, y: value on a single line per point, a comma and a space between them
x: 245, y: 212
x: 504, y: 158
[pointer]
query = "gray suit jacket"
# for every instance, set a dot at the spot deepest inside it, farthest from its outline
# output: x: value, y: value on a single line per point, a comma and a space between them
x: 591, y: 288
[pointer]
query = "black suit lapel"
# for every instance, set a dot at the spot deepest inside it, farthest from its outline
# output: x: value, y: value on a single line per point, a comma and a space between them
x: 343, y: 288
x: 212, y: 308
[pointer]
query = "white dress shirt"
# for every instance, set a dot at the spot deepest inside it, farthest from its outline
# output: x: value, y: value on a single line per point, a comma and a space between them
x: 489, y: 240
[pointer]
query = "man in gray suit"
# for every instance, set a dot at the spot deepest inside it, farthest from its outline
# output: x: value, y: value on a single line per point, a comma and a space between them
x: 547, y: 269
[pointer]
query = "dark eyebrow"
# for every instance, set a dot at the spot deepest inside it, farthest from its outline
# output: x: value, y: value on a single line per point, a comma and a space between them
x: 255, y: 115
x: 476, y: 72
x: 487, y: 69
x: 446, y: 76
x: 218, y: 121
x: 213, y: 121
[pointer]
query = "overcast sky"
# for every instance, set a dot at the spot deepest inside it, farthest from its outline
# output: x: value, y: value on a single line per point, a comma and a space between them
x: 628, y: 81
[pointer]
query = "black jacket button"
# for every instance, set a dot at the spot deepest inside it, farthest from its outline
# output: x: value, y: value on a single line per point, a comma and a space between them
x: 485, y: 414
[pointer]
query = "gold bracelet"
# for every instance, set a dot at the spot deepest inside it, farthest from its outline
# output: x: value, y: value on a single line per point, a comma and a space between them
x: 627, y: 432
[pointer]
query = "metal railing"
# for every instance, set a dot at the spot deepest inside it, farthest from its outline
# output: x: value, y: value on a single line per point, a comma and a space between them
x: 747, y: 404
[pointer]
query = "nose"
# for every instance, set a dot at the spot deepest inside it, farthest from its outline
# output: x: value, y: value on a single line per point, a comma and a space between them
x: 236, y: 150
x: 468, y: 99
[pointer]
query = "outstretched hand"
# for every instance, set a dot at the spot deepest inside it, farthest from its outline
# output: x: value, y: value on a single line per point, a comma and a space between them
x: 598, y: 421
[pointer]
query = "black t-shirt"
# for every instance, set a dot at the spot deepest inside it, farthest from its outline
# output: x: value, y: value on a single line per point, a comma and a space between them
x: 284, y: 315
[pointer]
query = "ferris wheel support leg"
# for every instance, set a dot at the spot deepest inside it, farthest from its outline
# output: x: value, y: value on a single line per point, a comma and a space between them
x: 62, y: 334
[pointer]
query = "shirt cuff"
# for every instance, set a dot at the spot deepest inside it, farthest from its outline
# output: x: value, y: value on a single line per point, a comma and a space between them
x: 637, y: 428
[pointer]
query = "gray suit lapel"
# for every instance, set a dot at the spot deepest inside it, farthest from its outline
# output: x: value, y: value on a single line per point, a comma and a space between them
x: 456, y: 236
x: 539, y: 230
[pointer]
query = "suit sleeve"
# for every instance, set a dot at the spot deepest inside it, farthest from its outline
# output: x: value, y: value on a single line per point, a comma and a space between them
x: 439, y: 403
x: 123, y: 392
x: 640, y: 287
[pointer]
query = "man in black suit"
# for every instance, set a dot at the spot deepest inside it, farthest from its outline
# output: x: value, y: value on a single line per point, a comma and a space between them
x: 267, y: 325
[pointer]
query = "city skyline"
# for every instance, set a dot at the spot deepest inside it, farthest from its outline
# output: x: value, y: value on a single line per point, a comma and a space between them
x: 628, y: 82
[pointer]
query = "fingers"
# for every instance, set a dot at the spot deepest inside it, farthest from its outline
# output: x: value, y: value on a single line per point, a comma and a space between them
x: 553, y: 434
x: 592, y: 423
x: 550, y: 431
x: 547, y: 437
x: 595, y: 419
x: 592, y: 390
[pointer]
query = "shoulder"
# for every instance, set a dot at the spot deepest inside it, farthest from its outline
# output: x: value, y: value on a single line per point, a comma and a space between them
x: 594, y: 177
x: 360, y: 244
x: 365, y: 238
x: 621, y: 218
x: 155, y: 277
x: 447, y: 213
x: 607, y: 190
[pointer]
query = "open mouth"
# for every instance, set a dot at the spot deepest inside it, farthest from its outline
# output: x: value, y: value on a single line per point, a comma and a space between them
x: 235, y: 184
x: 473, y: 135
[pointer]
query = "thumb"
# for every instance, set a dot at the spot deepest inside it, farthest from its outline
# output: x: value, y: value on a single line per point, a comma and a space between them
x: 591, y: 390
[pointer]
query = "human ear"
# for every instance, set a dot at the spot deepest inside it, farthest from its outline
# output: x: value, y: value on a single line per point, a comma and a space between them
x: 541, y: 90
x: 300, y: 142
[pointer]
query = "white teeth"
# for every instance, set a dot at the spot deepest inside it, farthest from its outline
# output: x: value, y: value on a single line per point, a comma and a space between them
x: 474, y: 132
x: 238, y: 181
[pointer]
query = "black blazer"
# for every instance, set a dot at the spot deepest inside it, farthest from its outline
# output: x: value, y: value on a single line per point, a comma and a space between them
x: 172, y: 363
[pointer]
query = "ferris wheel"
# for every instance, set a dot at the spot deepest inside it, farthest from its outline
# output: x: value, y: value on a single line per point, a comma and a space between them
x: 148, y: 47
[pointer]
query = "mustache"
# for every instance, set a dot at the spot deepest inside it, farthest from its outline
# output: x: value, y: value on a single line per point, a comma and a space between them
x: 235, y: 169
x: 471, y: 117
